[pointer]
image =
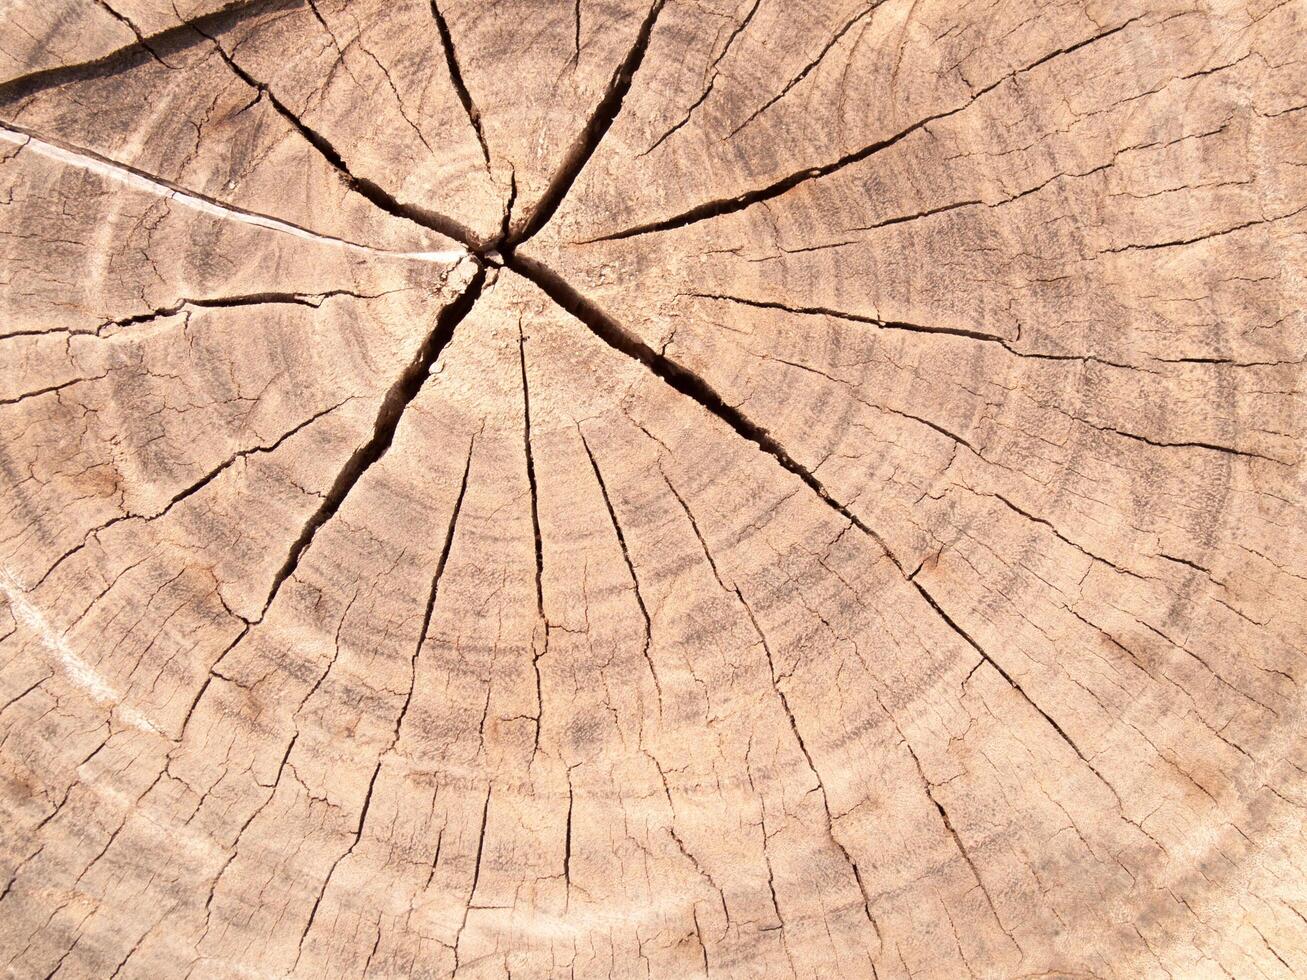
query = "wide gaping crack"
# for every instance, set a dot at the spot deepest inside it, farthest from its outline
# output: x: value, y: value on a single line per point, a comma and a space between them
x: 127, y: 22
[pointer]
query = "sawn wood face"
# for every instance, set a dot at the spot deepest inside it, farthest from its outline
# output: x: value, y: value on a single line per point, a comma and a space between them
x: 729, y: 488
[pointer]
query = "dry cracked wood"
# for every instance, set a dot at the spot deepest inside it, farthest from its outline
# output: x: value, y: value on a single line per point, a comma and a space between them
x: 734, y: 487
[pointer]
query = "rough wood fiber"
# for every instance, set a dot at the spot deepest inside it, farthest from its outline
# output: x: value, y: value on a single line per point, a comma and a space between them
x: 734, y: 487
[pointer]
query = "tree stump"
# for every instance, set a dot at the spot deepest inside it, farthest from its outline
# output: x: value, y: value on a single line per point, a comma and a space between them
x: 733, y: 487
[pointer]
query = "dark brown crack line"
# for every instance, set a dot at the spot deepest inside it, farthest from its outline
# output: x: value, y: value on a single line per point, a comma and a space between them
x: 506, y: 222
x: 192, y: 489
x: 1006, y: 343
x: 584, y: 146
x: 853, y: 317
x: 460, y: 86
x: 719, y: 207
x: 220, y: 302
x: 679, y: 377
x: 807, y: 69
x: 531, y: 479
x: 408, y: 698
x: 712, y: 81
x: 436, y: 576
x: 784, y: 701
x: 1012, y: 683
x: 154, y: 47
x: 141, y: 39
x: 401, y: 393
x: 366, y: 188
x: 630, y: 568
x: 476, y: 872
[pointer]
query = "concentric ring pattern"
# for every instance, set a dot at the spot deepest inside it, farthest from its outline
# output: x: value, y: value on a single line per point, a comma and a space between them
x: 718, y: 487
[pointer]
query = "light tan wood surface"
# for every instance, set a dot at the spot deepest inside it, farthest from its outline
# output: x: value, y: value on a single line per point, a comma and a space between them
x: 606, y: 489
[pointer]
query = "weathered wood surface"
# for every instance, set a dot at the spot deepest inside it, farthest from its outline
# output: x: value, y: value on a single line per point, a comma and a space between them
x: 734, y: 487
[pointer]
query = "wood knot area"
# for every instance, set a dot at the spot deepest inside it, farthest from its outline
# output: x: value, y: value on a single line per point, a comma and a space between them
x: 652, y: 489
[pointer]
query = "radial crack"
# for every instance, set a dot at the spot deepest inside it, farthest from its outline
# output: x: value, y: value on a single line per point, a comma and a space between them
x: 363, y: 186
x: 531, y: 482
x: 630, y: 567
x: 1052, y: 722
x: 397, y: 399
x: 1184, y: 444
x: 678, y: 377
x: 966, y: 855
x: 984, y: 336
x: 1205, y: 236
x: 460, y: 86
x: 567, y: 843
x: 803, y: 747
x: 722, y: 206
x: 311, y: 300
x: 476, y: 873
x: 807, y: 69
x: 436, y: 576
x: 852, y: 317
x: 712, y: 81
x: 48, y: 389
x: 585, y: 144
x: 784, y: 702
x: 193, y: 488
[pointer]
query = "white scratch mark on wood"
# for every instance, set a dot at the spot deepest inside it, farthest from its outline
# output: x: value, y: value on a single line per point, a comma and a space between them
x: 104, y: 167
x: 78, y: 670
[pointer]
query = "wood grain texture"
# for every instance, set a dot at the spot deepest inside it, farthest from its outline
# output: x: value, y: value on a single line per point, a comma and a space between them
x: 671, y: 489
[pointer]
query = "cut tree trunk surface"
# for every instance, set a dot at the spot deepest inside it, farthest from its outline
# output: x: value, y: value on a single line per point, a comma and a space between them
x: 733, y: 487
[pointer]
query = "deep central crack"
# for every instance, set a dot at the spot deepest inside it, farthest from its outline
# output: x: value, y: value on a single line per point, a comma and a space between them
x: 499, y: 251
x: 502, y: 251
